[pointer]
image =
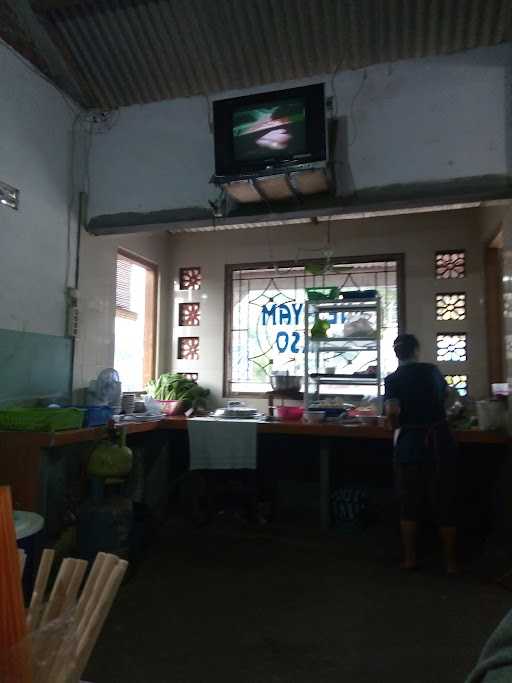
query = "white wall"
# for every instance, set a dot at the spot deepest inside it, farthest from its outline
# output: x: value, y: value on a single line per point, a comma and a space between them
x: 35, y: 144
x: 94, y: 349
x: 506, y: 224
x: 414, y: 121
x: 492, y: 219
x: 417, y: 236
x: 504, y: 480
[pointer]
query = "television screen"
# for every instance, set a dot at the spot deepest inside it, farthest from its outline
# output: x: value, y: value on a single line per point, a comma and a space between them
x: 269, y: 130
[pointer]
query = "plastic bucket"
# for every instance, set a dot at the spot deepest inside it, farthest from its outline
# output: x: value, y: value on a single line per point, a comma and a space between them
x: 29, y: 528
x: 491, y: 415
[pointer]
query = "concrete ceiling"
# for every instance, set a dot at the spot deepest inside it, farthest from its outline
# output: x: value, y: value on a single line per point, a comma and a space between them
x: 112, y: 53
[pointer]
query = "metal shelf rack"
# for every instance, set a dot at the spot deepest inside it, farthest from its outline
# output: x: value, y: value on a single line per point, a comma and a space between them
x: 314, y: 378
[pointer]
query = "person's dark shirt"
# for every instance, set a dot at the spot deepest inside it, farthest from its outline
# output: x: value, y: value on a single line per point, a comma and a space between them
x: 421, y: 390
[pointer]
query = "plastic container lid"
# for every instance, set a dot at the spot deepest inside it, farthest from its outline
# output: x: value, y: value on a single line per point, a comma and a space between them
x: 27, y: 524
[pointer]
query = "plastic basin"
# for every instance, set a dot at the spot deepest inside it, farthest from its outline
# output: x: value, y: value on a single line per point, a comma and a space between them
x: 172, y: 407
x: 293, y: 413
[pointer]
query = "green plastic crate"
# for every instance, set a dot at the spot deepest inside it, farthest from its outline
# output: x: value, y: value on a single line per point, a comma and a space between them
x: 41, y: 419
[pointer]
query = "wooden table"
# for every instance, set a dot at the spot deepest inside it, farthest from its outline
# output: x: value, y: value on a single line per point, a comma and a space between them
x: 21, y: 453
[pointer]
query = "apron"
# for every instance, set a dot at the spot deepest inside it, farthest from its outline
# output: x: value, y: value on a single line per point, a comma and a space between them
x: 428, y: 441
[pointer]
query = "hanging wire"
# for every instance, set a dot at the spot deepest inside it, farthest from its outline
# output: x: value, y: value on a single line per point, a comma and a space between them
x: 85, y: 125
x: 210, y: 112
x: 352, y: 105
x: 71, y: 200
x: 334, y: 75
x: 100, y: 121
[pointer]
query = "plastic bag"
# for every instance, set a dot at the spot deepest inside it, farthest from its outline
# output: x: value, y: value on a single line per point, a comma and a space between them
x: 153, y: 407
x: 46, y: 654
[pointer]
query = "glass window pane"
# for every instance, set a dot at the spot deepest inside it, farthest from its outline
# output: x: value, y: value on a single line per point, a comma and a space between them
x: 450, y: 265
x: 451, y: 306
x: 451, y: 347
x: 135, y: 322
x: 458, y: 382
x: 268, y: 320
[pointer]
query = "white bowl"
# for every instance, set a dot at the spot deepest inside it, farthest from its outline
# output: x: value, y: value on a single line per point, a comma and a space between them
x: 314, y: 416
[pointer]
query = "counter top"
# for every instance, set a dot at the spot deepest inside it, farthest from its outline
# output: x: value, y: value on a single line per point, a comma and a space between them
x: 329, y: 430
x: 22, y: 453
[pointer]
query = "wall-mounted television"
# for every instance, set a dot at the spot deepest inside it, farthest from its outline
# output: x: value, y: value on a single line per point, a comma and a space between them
x: 269, y: 130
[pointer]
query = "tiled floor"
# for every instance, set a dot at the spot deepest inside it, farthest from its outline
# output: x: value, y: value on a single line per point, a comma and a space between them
x: 273, y: 607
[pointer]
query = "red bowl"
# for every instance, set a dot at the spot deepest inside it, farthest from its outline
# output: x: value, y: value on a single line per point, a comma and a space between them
x: 172, y: 407
x: 292, y: 413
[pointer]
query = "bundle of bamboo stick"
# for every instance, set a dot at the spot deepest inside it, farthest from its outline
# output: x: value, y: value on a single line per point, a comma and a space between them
x: 54, y: 639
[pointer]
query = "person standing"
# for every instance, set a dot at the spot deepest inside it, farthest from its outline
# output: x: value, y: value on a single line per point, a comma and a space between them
x: 425, y: 455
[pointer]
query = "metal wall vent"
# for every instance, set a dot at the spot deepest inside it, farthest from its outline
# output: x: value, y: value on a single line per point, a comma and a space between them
x: 9, y: 196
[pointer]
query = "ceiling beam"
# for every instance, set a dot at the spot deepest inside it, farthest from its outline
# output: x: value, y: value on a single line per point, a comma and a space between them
x: 45, y: 6
x: 61, y: 71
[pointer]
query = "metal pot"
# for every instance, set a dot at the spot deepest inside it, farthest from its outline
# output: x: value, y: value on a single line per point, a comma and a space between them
x: 285, y: 382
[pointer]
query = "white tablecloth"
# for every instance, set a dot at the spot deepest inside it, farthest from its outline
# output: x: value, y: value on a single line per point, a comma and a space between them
x: 217, y: 444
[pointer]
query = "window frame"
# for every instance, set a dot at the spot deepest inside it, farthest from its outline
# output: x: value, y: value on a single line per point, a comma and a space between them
x: 336, y: 260
x: 149, y: 366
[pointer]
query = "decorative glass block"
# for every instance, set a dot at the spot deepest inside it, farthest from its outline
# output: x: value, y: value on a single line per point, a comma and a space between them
x: 458, y: 382
x: 190, y: 278
x: 189, y: 314
x: 451, y: 306
x: 507, y: 304
x: 450, y: 265
x: 192, y: 376
x: 508, y: 346
x: 451, y: 347
x: 188, y: 348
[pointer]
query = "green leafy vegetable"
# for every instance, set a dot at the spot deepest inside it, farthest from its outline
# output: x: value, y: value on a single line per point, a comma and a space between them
x: 175, y: 387
x: 315, y: 268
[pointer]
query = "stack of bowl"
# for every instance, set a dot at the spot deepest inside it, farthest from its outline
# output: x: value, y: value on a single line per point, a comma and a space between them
x: 128, y: 403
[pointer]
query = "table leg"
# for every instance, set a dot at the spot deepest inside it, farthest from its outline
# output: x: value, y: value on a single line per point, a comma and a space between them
x: 325, y: 482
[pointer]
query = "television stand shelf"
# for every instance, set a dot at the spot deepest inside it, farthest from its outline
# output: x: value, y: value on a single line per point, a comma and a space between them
x: 278, y: 184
